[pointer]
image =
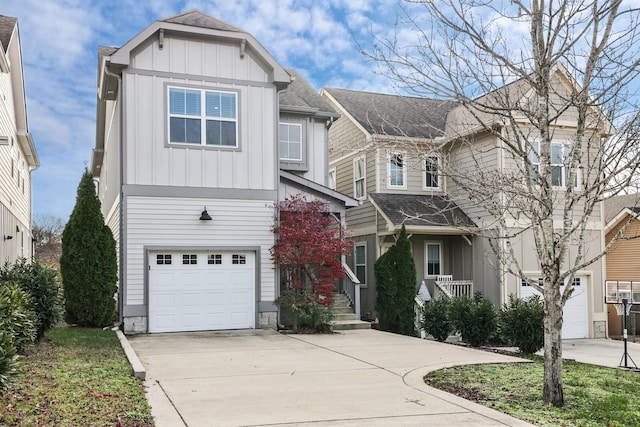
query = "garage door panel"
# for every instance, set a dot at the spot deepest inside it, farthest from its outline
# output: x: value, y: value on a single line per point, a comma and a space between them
x: 575, y: 313
x: 202, y: 296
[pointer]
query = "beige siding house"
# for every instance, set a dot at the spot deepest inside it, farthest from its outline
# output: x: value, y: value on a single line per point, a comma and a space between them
x: 398, y: 155
x: 200, y: 133
x: 18, y: 155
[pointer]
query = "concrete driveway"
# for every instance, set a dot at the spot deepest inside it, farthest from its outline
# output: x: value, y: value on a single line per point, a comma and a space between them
x: 258, y: 378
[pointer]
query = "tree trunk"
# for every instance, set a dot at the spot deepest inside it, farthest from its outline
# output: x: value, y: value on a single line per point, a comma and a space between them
x: 553, y: 391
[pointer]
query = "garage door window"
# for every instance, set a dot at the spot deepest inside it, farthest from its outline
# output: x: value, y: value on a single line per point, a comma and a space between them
x: 162, y: 259
x: 189, y: 259
x: 238, y: 259
x: 214, y: 259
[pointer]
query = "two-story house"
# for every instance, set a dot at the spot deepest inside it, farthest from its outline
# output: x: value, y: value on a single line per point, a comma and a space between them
x: 18, y: 155
x: 200, y: 133
x: 389, y: 151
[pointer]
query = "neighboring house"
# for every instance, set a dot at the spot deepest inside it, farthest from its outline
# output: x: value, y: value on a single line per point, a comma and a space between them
x: 200, y: 133
x: 385, y: 151
x: 622, y: 258
x: 18, y: 157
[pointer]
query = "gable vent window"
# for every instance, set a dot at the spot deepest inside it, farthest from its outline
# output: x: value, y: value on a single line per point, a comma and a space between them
x: 238, y: 259
x: 189, y: 259
x: 203, y: 117
x: 214, y: 259
x: 163, y: 259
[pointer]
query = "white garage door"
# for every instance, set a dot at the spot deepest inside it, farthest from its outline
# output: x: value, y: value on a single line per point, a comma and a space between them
x: 200, y: 291
x: 575, y: 314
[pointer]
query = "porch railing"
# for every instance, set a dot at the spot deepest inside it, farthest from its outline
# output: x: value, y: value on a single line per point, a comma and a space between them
x: 455, y: 288
x: 350, y: 287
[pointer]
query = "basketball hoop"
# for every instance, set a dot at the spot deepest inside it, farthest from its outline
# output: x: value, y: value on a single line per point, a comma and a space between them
x: 620, y: 308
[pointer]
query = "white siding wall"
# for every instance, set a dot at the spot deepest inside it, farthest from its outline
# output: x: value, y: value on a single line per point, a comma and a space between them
x: 168, y: 221
x: 317, y: 151
x: 109, y: 190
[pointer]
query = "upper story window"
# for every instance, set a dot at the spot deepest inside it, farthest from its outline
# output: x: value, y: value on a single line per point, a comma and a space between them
x: 359, y: 180
x: 203, y: 117
x: 291, y: 141
x: 397, y: 170
x: 332, y: 178
x: 560, y: 158
x: 431, y: 176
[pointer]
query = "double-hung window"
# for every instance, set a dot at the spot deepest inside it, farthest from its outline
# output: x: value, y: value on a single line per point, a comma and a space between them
x: 360, y: 262
x: 203, y: 117
x: 359, y: 171
x: 560, y: 154
x: 290, y: 141
x: 397, y: 170
x: 431, y: 177
x: 433, y: 258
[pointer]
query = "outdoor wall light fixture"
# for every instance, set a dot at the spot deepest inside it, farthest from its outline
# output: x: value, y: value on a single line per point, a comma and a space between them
x: 204, y: 216
x: 8, y: 237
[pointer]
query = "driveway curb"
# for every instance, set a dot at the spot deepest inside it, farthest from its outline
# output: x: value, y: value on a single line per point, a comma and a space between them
x: 138, y: 369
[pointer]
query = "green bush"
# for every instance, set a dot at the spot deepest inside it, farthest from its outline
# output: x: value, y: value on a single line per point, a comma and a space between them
x: 476, y: 319
x: 395, y: 273
x: 9, y: 359
x: 435, y: 319
x: 17, y: 317
x: 304, y: 312
x: 88, y: 263
x: 522, y: 323
x: 41, y: 282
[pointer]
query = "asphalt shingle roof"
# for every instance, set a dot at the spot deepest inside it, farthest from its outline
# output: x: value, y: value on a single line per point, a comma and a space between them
x: 196, y: 18
x: 430, y: 210
x: 614, y: 205
x: 301, y: 94
x: 395, y: 115
x: 7, y: 24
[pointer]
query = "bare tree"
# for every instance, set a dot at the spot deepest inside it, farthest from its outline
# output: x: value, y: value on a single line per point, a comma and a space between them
x: 527, y: 75
x: 47, y: 236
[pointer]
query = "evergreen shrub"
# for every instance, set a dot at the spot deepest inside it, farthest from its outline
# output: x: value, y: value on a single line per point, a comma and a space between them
x: 476, y: 319
x: 17, y: 316
x: 435, y: 319
x: 522, y: 323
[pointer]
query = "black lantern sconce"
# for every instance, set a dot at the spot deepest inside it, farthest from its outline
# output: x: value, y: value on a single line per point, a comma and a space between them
x: 8, y: 237
x: 204, y: 216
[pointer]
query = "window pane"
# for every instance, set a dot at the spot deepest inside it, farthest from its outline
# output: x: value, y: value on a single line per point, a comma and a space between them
x: 396, y: 176
x: 332, y: 179
x: 176, y: 101
x: 359, y: 168
x: 228, y: 134
x: 431, y: 178
x: 361, y: 273
x: 359, y: 255
x: 213, y: 132
x: 359, y: 188
x: 533, y: 154
x: 556, y: 154
x: 556, y: 176
x: 177, y: 129
x: 213, y: 104
x: 294, y: 151
x: 192, y: 102
x: 295, y: 133
x: 228, y: 105
x: 433, y: 260
x: 284, y: 150
x: 193, y: 131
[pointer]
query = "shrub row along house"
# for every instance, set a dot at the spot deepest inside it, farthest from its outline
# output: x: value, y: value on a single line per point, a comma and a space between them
x: 201, y: 132
x: 18, y: 155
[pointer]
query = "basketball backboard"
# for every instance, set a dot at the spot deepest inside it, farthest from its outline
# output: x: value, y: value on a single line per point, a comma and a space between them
x: 617, y: 290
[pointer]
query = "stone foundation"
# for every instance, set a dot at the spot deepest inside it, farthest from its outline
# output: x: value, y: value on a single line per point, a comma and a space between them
x: 135, y: 325
x: 268, y: 320
x: 600, y: 329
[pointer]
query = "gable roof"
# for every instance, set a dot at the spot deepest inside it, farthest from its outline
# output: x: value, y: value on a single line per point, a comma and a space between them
x: 301, y: 97
x: 394, y: 115
x: 614, y: 206
x: 423, y: 210
x: 7, y: 25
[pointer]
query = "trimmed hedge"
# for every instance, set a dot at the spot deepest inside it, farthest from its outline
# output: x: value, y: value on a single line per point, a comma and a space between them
x: 522, y: 323
x: 436, y: 320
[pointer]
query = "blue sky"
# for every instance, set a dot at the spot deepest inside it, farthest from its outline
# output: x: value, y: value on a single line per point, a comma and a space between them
x: 59, y: 48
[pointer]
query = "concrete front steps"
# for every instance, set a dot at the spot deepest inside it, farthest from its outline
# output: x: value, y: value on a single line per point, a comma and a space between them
x: 343, y: 316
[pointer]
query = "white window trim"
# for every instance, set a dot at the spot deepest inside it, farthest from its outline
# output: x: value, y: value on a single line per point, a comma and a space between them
x: 299, y: 126
x: 404, y: 170
x: 333, y: 172
x: 202, y: 117
x: 426, y: 258
x: 363, y: 178
x: 438, y: 175
x: 355, y: 261
x: 563, y: 168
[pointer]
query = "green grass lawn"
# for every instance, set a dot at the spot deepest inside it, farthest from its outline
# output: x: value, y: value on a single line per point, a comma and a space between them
x: 594, y: 396
x: 75, y: 377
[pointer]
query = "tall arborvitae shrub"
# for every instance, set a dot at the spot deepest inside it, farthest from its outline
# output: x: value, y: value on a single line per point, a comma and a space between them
x: 88, y: 263
x: 395, y: 273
